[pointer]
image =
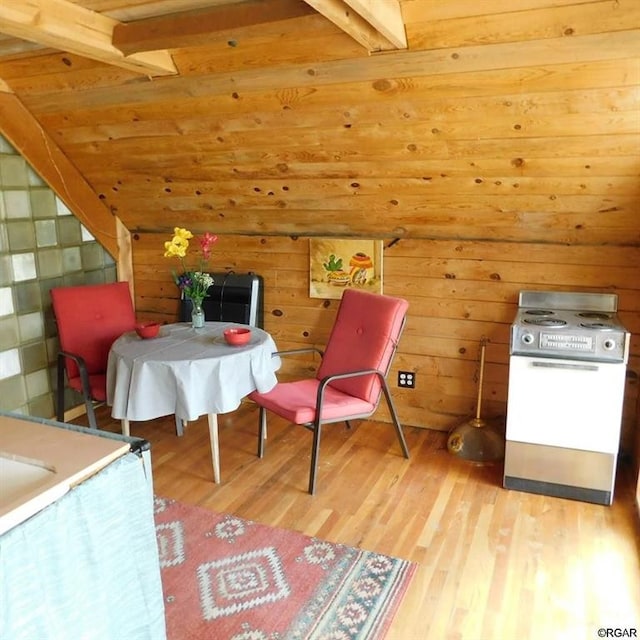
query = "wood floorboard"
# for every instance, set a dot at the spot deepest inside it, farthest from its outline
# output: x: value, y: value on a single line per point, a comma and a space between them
x: 493, y: 564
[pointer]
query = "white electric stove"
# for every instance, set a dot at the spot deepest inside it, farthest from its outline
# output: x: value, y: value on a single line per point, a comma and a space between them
x: 567, y: 369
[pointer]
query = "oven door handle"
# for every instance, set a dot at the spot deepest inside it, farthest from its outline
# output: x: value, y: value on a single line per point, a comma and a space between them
x: 564, y: 365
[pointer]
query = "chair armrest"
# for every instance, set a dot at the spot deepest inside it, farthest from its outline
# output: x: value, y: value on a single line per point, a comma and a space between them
x: 79, y: 360
x: 82, y: 369
x: 351, y: 374
x: 292, y: 352
x: 340, y: 376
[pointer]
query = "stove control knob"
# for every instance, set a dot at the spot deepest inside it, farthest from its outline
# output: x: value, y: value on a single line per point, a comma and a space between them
x: 527, y: 338
x: 609, y: 344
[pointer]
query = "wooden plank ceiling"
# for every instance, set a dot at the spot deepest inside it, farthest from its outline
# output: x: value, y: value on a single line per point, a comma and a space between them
x: 139, y: 35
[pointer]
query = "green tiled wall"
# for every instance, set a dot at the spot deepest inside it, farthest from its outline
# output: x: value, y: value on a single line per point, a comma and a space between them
x: 42, y: 245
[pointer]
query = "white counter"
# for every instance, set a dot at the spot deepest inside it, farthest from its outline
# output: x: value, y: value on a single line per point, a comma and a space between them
x: 40, y: 463
x: 86, y: 564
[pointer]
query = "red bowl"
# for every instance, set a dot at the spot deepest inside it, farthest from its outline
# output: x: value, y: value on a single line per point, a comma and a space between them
x: 148, y: 329
x: 237, y: 337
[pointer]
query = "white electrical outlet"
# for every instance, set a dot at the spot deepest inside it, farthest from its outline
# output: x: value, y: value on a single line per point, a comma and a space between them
x: 407, y: 379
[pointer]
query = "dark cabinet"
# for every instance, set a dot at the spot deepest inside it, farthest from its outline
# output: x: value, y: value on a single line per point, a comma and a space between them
x: 232, y: 297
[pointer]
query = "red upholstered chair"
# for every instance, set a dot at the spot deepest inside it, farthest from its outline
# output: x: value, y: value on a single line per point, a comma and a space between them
x: 89, y: 319
x: 352, y: 374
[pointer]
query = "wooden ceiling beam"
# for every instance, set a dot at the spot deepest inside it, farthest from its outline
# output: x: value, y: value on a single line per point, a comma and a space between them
x: 195, y: 27
x: 376, y: 24
x: 23, y: 131
x: 4, y: 87
x: 67, y: 26
x: 385, y: 16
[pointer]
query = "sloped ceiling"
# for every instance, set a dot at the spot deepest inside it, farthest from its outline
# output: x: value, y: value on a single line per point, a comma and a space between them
x: 141, y: 36
x: 138, y: 34
x: 515, y: 122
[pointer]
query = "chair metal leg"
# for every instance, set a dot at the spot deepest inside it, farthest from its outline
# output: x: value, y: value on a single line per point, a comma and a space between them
x: 84, y: 383
x: 394, y: 416
x: 262, y: 431
x: 91, y: 414
x: 60, y: 390
x: 86, y: 394
x: 315, y: 455
x: 180, y: 425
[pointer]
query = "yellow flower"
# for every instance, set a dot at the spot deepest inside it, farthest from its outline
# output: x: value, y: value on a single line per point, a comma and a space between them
x: 183, y: 234
x: 175, y: 249
x: 178, y: 245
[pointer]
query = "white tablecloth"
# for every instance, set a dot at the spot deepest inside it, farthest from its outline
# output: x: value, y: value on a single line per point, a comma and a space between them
x: 187, y: 372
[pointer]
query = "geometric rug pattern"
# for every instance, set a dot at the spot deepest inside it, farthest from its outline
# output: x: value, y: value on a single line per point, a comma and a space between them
x: 226, y: 578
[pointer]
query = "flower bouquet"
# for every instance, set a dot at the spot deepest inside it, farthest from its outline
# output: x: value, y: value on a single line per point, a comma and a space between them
x: 193, y: 283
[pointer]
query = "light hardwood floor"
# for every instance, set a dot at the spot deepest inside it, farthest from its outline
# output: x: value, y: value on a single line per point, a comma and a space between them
x: 493, y: 564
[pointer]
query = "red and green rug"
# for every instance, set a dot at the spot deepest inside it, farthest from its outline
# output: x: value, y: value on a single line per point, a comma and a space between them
x: 225, y: 578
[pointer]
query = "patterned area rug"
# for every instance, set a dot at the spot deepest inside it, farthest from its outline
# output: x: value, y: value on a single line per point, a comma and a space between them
x: 225, y: 578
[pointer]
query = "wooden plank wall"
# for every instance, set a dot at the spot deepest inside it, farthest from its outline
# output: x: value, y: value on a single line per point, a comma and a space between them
x: 460, y: 293
x: 498, y: 153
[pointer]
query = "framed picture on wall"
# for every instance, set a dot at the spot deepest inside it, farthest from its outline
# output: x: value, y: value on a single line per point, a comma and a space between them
x: 335, y: 264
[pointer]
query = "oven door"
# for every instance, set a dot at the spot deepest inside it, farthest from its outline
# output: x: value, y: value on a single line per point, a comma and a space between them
x: 565, y: 403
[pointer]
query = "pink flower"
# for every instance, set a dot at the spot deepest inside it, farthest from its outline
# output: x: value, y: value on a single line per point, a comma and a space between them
x: 206, y: 243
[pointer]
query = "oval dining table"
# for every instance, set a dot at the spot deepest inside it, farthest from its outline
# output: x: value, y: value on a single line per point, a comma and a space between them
x: 188, y: 373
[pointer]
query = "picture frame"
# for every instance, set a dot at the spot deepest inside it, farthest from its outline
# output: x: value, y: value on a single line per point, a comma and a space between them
x: 338, y: 263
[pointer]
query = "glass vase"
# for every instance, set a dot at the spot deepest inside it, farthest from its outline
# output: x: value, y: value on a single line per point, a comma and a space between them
x: 197, y: 314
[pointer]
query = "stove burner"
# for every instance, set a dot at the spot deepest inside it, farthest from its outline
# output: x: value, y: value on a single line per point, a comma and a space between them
x: 571, y: 326
x: 538, y: 312
x: 594, y: 315
x: 598, y: 326
x: 546, y: 322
